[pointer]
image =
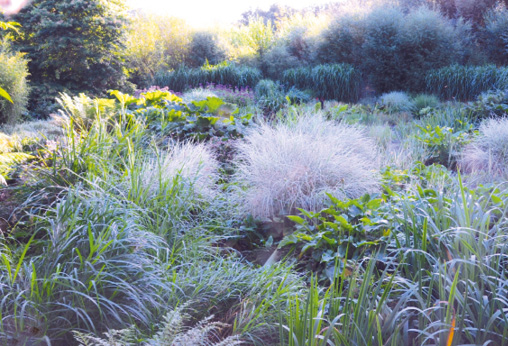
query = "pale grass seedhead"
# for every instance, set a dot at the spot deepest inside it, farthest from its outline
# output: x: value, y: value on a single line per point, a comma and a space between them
x: 197, y: 95
x: 294, y: 165
x: 488, y: 153
x: 193, y: 164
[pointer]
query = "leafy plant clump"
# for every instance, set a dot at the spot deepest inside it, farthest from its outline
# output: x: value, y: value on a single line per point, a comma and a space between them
x: 443, y: 143
x: 294, y: 164
x: 344, y: 230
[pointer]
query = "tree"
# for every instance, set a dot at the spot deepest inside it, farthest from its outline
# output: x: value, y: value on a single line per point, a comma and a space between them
x: 74, y: 45
x: 6, y: 26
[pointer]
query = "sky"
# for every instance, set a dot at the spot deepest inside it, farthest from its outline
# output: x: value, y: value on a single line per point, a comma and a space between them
x: 205, y: 13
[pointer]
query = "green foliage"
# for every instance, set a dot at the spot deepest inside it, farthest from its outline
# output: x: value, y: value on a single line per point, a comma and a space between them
x: 11, y: 154
x: 342, y: 41
x: 382, y: 60
x: 396, y: 102
x: 496, y: 31
x: 351, y: 311
x: 6, y: 26
x: 88, y: 270
x: 343, y: 230
x: 399, y: 49
x: 225, y: 73
x: 253, y: 39
x: 490, y: 104
x: 173, y: 331
x: 205, y: 47
x: 155, y: 43
x: 73, y: 46
x: 13, y: 80
x: 270, y: 96
x: 424, y: 101
x: 166, y: 114
x: 444, y: 144
x: 278, y: 59
x: 329, y: 82
x: 466, y: 82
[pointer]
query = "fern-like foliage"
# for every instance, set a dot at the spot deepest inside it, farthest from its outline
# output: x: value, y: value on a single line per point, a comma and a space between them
x: 174, y: 331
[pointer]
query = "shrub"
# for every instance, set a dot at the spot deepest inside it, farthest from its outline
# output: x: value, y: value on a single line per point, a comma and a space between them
x: 466, y: 82
x: 205, y: 47
x: 496, y: 32
x: 399, y: 49
x: 342, y: 41
x: 396, y: 101
x: 267, y: 88
x: 225, y: 74
x: 278, y: 59
x: 329, y: 82
x: 489, y: 150
x: 295, y: 164
x: 13, y: 78
x: 382, y: 61
x: 427, y: 41
x: 298, y: 96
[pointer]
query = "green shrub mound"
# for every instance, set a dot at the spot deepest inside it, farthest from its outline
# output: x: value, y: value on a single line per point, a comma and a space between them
x: 225, y: 74
x: 13, y: 79
x: 466, y: 82
x: 205, y: 47
x: 329, y: 82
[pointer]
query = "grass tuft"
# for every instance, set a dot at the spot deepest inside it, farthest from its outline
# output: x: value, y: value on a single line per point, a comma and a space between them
x: 294, y: 165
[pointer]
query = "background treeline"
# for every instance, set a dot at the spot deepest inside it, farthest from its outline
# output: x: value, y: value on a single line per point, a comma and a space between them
x: 93, y: 46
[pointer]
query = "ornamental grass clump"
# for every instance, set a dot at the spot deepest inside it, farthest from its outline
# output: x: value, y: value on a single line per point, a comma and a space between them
x: 194, y: 165
x: 488, y: 152
x: 295, y: 164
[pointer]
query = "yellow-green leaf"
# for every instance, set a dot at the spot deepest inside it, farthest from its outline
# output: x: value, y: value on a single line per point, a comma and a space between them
x: 5, y: 95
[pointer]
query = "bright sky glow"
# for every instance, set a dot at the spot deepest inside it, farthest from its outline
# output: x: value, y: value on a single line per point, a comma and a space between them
x: 205, y: 13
